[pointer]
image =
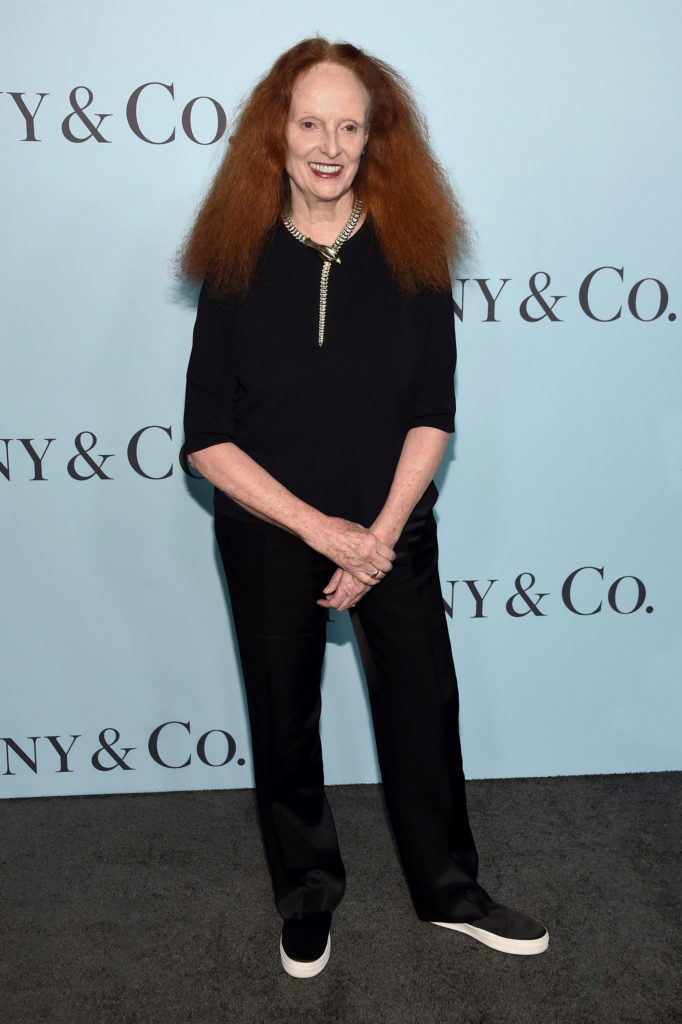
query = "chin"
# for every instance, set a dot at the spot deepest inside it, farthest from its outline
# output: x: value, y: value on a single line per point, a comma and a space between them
x: 329, y: 190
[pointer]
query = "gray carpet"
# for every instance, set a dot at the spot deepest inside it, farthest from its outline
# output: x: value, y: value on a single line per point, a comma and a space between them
x: 157, y: 908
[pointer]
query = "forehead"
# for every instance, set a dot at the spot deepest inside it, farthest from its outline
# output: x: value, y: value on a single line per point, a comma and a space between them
x: 330, y: 89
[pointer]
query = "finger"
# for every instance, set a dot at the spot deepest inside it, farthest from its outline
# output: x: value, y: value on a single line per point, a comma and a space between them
x: 355, y: 599
x: 371, y: 579
x: 384, y: 550
x: 382, y: 564
x: 368, y: 572
x: 334, y: 582
x: 335, y: 603
x: 347, y: 594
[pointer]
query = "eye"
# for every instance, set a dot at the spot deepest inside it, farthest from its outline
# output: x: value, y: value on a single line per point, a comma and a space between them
x: 350, y: 128
x: 308, y: 124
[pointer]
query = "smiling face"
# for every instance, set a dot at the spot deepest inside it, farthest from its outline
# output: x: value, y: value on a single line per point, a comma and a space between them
x: 325, y: 134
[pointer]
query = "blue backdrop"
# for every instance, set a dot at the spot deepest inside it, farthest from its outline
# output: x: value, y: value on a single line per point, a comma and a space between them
x: 559, y: 510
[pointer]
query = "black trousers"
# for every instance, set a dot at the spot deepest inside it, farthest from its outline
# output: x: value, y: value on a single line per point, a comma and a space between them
x: 274, y: 580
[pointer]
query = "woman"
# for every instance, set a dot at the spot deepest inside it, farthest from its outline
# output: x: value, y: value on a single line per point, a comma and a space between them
x: 319, y: 404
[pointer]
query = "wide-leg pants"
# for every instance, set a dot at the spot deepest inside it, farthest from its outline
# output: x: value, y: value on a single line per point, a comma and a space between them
x: 274, y: 580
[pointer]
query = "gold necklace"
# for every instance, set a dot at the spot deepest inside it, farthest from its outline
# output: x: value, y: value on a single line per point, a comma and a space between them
x: 329, y: 254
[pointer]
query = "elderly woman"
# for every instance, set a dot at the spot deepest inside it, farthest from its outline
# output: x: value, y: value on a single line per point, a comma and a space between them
x: 319, y: 404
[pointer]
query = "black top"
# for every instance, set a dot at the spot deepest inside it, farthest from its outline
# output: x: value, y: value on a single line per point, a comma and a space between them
x: 328, y: 423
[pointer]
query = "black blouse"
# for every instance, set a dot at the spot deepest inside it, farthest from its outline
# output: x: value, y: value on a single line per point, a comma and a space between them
x: 328, y: 423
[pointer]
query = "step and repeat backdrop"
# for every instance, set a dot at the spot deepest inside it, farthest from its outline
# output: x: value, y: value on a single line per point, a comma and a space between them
x: 560, y: 496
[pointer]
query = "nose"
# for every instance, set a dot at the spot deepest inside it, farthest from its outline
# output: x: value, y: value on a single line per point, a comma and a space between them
x: 330, y: 144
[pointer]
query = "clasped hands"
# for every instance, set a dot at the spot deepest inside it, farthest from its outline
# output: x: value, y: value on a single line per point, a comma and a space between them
x: 362, y: 559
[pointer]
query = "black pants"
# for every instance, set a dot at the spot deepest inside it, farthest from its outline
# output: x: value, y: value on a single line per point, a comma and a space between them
x: 274, y: 580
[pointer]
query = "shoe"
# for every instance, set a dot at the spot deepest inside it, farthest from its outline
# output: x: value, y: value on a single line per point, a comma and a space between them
x: 504, y: 929
x: 305, y: 944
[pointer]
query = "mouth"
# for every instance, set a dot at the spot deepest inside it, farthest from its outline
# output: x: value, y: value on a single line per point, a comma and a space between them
x: 326, y: 170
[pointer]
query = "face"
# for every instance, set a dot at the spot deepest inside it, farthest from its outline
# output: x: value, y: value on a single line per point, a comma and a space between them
x: 325, y: 133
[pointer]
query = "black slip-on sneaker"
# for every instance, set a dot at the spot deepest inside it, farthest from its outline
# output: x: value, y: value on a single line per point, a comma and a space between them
x: 504, y: 929
x: 305, y: 944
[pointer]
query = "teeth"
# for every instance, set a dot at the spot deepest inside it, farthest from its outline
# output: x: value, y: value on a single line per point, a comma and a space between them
x: 326, y: 168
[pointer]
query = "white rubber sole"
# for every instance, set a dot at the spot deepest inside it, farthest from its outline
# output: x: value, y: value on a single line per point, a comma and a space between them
x: 519, y: 947
x: 305, y: 968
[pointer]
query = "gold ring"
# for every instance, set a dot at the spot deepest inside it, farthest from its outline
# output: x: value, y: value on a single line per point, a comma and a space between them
x: 375, y: 574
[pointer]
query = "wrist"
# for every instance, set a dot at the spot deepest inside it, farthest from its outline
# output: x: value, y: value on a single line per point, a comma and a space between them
x: 386, y: 531
x: 311, y: 526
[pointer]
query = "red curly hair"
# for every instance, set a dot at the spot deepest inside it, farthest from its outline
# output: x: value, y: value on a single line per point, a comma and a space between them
x: 405, y: 192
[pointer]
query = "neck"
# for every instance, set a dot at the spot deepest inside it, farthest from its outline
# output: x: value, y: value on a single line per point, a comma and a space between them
x: 321, y: 221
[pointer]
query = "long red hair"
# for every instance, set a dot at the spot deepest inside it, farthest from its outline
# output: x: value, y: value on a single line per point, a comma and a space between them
x: 404, y: 190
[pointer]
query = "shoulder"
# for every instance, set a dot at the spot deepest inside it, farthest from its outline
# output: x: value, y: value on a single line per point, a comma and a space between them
x: 216, y: 297
x: 435, y: 305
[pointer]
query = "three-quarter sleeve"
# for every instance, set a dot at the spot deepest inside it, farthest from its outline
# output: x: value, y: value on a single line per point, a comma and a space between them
x: 434, y: 404
x: 211, y: 390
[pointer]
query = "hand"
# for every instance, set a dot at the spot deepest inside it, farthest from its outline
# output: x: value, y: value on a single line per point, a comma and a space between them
x: 343, y: 591
x: 355, y: 549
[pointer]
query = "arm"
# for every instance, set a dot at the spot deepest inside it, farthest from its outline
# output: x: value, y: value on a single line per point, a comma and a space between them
x: 357, y: 550
x: 421, y: 455
x: 424, y: 444
x: 210, y: 400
